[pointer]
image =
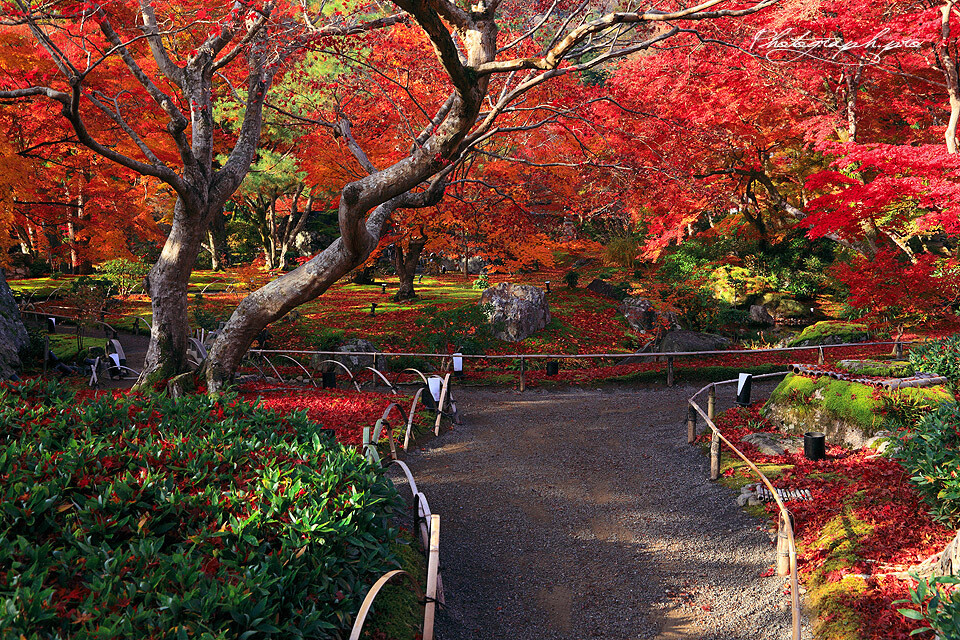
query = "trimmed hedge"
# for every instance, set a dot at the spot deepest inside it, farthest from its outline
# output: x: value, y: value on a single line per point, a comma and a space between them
x: 141, y: 516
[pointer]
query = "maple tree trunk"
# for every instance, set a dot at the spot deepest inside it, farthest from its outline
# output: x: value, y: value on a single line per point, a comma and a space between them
x: 217, y: 237
x: 166, y: 284
x: 406, y: 265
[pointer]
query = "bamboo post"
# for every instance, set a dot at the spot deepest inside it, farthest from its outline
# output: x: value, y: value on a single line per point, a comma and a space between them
x: 714, y: 456
x: 712, y: 403
x: 783, y: 547
x: 136, y: 326
x: 46, y: 352
x: 669, y: 371
x: 444, y: 390
x: 820, y: 355
x: 433, y: 566
x: 523, y: 381
x: 691, y: 425
x: 898, y: 350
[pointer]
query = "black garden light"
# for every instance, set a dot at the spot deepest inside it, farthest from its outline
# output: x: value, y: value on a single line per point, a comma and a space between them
x: 329, y: 379
x: 51, y: 325
x: 814, y: 445
x: 383, y: 287
x: 548, y: 285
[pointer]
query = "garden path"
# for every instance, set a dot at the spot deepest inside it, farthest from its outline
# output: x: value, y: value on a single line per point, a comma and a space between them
x: 584, y: 514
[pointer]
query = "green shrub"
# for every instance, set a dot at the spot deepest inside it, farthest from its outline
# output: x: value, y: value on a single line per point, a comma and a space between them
x: 125, y: 275
x: 571, y: 279
x: 941, y: 357
x: 482, y: 282
x: 938, y: 600
x: 930, y: 451
x: 141, y: 516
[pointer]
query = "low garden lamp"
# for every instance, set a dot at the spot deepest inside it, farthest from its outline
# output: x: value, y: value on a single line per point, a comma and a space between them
x: 458, y: 365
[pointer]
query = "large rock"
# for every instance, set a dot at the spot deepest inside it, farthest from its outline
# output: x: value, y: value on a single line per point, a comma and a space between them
x: 522, y: 309
x: 13, y: 335
x: 354, y: 363
x: 641, y: 315
x: 759, y: 314
x: 774, y: 444
x: 692, y: 341
x: 605, y: 289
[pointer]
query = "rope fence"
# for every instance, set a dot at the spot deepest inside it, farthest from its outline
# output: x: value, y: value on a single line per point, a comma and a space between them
x: 786, y: 557
x: 446, y: 359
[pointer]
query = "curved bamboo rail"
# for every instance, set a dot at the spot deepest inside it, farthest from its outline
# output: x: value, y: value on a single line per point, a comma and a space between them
x: 785, y: 518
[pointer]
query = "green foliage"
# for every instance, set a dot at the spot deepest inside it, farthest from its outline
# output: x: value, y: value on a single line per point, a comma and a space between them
x: 125, y: 275
x: 466, y: 329
x: 482, y: 282
x: 572, y: 279
x: 938, y: 602
x: 941, y: 357
x: 930, y: 451
x: 141, y: 516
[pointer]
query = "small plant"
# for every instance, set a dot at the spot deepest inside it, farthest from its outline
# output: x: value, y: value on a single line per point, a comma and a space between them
x: 572, y: 279
x: 125, y: 275
x: 482, y: 282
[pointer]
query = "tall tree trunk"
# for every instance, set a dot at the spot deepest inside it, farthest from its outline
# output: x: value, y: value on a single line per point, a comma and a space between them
x: 166, y: 284
x: 217, y: 237
x: 951, y: 75
x: 406, y: 265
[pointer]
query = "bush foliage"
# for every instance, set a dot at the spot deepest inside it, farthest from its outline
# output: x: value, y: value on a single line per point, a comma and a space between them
x: 144, y: 517
x: 941, y: 357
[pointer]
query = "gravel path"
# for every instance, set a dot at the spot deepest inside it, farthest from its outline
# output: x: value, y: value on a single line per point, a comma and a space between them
x: 584, y: 514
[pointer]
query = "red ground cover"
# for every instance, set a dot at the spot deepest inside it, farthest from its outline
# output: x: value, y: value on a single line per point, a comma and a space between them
x: 876, y: 491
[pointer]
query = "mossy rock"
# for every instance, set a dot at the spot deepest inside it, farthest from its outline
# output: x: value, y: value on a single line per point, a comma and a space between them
x: 847, y: 412
x: 783, y: 305
x: 879, y: 368
x: 736, y: 286
x: 830, y: 332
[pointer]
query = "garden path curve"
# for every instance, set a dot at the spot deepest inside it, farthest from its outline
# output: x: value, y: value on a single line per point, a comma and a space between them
x: 585, y: 514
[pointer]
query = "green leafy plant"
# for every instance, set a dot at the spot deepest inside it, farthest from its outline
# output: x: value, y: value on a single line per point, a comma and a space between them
x: 482, y: 282
x: 141, y: 516
x: 930, y: 451
x: 571, y: 279
x: 938, y: 604
x: 941, y: 357
x: 125, y: 275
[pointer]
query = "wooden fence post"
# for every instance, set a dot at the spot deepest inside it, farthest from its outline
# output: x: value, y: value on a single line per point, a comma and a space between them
x: 433, y: 566
x: 523, y: 369
x: 712, y: 403
x: 691, y: 425
x: 714, y: 455
x: 783, y: 547
x: 669, y: 371
x: 820, y: 355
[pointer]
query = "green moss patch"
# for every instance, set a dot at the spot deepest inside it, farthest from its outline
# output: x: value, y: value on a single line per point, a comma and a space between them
x: 832, y: 588
x: 801, y: 403
x: 830, y: 332
x: 877, y: 368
